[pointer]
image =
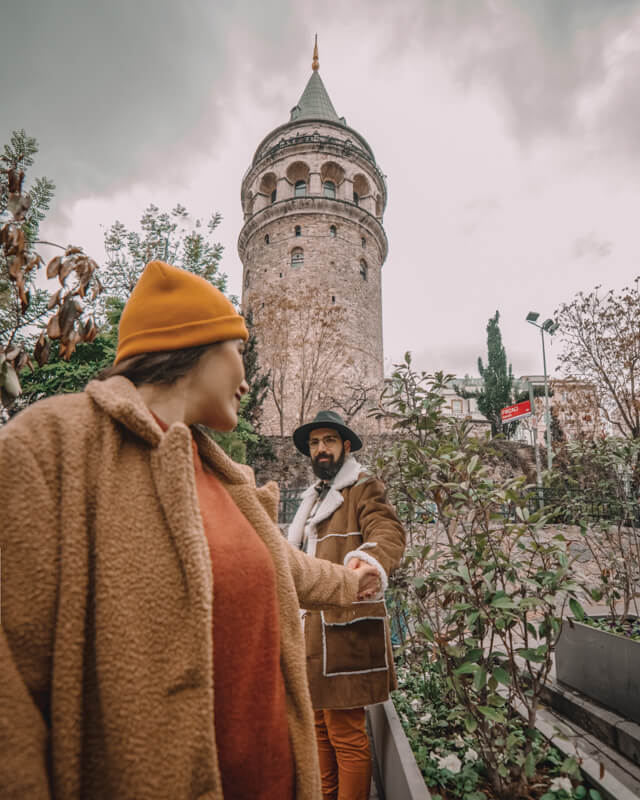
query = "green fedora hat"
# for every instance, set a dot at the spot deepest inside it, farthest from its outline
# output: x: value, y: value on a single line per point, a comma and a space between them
x: 324, y: 419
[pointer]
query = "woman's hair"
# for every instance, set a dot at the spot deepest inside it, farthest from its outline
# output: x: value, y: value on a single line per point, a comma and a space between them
x: 166, y: 366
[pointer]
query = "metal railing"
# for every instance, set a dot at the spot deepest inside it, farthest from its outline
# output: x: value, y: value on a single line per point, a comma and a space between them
x: 289, y: 502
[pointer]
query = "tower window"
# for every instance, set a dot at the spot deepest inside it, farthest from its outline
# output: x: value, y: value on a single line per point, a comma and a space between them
x: 300, y: 189
x: 333, y: 298
x: 274, y: 194
x: 363, y: 241
x: 329, y: 189
x: 356, y: 198
x: 297, y: 230
x: 333, y: 231
x: 297, y: 258
x: 266, y: 238
x: 364, y: 270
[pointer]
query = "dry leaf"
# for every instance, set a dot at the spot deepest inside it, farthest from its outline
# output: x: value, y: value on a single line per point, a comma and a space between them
x: 53, y: 327
x: 54, y: 299
x: 65, y: 270
x: 42, y: 350
x: 53, y: 267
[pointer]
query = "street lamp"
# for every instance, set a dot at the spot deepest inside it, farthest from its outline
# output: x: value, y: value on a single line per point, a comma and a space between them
x: 550, y: 326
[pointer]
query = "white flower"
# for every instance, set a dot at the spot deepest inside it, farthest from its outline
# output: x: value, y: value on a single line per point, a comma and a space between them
x: 450, y: 762
x: 558, y: 784
x: 458, y: 741
x: 471, y: 755
x: 415, y: 704
x: 426, y: 717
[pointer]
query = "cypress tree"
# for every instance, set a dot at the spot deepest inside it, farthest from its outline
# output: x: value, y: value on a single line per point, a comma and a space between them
x: 497, y: 391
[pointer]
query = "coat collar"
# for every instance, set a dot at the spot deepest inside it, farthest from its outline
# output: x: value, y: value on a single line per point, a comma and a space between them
x: 120, y: 400
x: 332, y: 501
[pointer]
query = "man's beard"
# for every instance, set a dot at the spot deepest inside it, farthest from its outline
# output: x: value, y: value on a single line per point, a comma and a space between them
x: 327, y: 470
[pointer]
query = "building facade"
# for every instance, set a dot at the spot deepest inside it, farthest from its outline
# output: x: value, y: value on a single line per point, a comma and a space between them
x: 312, y: 248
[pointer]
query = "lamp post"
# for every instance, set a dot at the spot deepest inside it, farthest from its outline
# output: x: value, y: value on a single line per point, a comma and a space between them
x: 550, y: 326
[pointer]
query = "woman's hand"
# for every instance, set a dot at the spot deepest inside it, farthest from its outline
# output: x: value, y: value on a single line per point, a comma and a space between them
x: 369, y: 580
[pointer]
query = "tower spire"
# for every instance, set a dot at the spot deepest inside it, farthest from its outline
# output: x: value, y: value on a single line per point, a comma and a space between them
x: 315, y: 64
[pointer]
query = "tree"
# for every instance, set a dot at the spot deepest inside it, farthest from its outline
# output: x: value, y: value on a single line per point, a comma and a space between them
x: 601, y: 345
x: 303, y: 353
x: 497, y: 391
x: 171, y: 236
x: 253, y: 403
x: 22, y: 306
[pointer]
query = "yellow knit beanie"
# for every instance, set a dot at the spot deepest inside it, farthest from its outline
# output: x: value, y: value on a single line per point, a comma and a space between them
x: 172, y: 309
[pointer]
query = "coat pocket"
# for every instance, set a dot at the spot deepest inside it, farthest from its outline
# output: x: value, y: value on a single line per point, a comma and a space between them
x: 354, y: 640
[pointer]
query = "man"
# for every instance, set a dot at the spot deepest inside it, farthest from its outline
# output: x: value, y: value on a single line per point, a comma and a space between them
x: 345, y: 518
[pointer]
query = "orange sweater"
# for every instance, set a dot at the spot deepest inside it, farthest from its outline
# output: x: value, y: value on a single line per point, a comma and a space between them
x: 251, y: 728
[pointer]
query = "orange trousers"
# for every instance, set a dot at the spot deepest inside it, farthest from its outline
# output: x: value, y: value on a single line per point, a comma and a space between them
x: 345, y: 755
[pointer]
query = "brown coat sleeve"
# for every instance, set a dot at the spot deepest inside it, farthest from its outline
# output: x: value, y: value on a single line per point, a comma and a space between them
x: 321, y: 584
x: 29, y: 573
x: 383, y: 537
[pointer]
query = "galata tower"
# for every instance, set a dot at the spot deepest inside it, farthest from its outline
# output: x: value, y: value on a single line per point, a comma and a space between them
x: 312, y: 248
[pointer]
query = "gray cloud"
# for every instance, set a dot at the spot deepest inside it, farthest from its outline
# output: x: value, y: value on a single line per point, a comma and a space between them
x: 540, y: 57
x: 114, y: 91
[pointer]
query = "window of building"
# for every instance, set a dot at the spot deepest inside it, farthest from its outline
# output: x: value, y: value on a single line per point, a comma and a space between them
x: 333, y: 298
x: 356, y: 198
x: 297, y: 230
x: 363, y: 242
x: 364, y: 270
x: 333, y: 231
x: 297, y: 258
x: 329, y: 189
x: 266, y: 238
x: 300, y: 189
x: 456, y: 406
x: 274, y: 194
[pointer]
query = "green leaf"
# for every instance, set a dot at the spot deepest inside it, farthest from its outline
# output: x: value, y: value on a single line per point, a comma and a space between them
x: 503, y: 602
x: 580, y: 793
x: 502, y: 676
x: 531, y: 655
x: 480, y: 679
x: 576, y: 609
x: 594, y: 794
x: 494, y: 714
x: 470, y: 722
x: 467, y: 668
x: 530, y: 765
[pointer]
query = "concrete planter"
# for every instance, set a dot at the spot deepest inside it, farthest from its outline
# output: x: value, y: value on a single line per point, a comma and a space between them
x: 399, y: 777
x: 603, y: 666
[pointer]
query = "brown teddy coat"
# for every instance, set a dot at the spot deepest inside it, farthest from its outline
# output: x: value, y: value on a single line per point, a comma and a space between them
x: 349, y: 657
x: 106, y: 684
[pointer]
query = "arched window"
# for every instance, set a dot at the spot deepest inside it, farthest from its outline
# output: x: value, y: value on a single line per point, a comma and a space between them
x: 297, y: 258
x: 329, y: 189
x: 356, y: 198
x: 333, y: 231
x: 297, y: 230
x: 364, y: 270
x: 266, y: 238
x: 300, y: 189
x: 274, y: 194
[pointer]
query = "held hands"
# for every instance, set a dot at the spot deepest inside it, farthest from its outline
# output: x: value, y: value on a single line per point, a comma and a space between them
x: 369, y: 581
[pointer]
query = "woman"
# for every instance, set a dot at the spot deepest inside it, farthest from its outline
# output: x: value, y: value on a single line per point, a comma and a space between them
x: 150, y: 643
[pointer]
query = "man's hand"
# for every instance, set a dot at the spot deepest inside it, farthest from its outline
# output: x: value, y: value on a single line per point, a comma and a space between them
x: 369, y: 580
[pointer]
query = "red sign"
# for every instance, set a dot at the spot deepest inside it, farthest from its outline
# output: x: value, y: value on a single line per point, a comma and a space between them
x: 519, y: 411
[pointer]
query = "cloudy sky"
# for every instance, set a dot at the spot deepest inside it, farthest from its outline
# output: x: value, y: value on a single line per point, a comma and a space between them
x: 509, y: 131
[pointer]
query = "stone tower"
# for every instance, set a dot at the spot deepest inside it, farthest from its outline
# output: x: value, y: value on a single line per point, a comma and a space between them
x: 312, y: 248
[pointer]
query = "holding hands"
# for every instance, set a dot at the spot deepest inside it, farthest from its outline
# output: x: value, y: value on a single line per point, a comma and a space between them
x: 369, y: 580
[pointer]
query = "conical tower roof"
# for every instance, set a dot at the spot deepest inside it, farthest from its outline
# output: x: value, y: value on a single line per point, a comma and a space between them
x: 315, y: 102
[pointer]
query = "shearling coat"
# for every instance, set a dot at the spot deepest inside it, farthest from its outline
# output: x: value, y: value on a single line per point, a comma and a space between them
x: 349, y: 657
x: 106, y: 684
